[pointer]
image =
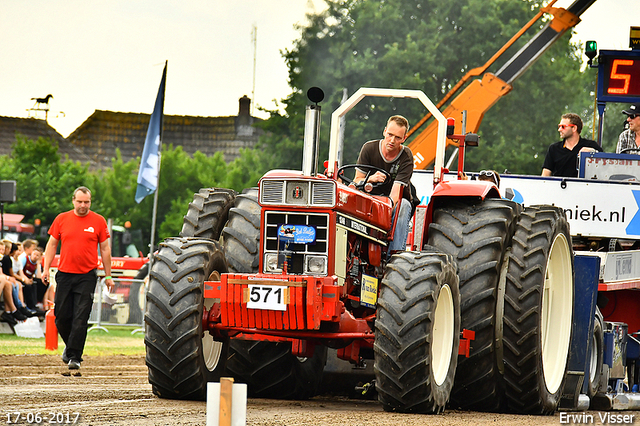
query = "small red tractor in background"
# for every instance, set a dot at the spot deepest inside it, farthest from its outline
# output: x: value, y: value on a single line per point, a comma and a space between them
x: 260, y: 284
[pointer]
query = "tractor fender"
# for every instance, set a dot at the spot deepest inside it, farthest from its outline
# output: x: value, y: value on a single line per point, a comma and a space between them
x: 466, y: 188
x: 470, y: 189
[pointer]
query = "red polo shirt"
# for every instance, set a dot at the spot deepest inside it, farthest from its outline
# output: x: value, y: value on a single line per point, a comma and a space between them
x: 80, y: 237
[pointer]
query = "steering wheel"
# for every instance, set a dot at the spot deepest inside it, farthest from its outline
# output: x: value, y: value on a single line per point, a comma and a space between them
x: 371, y: 171
x: 624, y: 151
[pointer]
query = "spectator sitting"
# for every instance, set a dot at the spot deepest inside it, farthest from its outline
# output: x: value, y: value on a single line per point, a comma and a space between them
x: 34, y: 289
x: 29, y: 290
x: 16, y: 267
x: 10, y: 250
x: 9, y: 314
x: 27, y: 248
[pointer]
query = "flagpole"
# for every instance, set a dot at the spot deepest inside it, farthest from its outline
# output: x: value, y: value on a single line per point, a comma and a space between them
x: 155, y: 196
x: 155, y: 210
x: 149, y: 173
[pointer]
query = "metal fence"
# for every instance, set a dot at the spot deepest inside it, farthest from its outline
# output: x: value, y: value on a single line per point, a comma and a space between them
x: 124, y: 306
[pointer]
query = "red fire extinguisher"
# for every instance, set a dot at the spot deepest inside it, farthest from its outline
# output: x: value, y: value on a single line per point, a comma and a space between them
x: 51, y: 331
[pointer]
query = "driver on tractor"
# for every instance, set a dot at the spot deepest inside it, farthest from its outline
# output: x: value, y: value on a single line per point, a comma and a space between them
x: 397, y: 160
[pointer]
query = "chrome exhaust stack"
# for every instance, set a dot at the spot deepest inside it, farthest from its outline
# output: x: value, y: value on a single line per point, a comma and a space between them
x: 312, y: 132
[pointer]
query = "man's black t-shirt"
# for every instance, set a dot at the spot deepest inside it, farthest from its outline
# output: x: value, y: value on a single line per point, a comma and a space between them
x: 564, y: 162
x: 400, y: 168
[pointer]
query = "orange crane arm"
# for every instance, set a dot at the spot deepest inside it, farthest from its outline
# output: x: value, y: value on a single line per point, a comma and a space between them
x: 482, y: 94
x: 476, y: 98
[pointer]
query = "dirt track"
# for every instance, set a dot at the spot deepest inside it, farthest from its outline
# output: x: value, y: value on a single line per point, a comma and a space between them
x: 115, y: 391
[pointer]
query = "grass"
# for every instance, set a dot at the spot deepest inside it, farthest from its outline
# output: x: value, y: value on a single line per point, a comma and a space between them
x: 117, y: 341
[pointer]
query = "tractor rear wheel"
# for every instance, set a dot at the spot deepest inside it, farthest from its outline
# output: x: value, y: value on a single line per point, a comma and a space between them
x: 180, y: 356
x: 538, y: 310
x: 208, y: 213
x: 241, y: 235
x: 478, y: 236
x: 417, y: 332
x: 269, y: 369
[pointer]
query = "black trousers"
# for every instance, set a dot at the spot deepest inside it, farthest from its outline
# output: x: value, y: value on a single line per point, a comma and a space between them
x: 73, y: 302
x: 30, y: 293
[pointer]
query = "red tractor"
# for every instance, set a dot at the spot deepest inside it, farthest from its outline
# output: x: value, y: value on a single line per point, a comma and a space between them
x: 260, y: 284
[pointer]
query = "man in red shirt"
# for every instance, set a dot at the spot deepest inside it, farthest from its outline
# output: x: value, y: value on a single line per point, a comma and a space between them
x: 81, y: 232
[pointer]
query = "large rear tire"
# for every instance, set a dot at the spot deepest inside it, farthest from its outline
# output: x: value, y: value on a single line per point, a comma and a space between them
x: 180, y: 356
x: 269, y: 369
x: 538, y: 310
x: 478, y: 236
x: 208, y: 213
x: 241, y: 235
x: 417, y: 332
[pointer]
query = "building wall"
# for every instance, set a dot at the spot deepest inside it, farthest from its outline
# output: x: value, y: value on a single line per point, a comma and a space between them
x: 105, y: 131
x: 33, y: 128
x: 98, y: 138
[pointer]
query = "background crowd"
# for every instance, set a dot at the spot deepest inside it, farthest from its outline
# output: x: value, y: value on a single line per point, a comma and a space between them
x: 23, y: 294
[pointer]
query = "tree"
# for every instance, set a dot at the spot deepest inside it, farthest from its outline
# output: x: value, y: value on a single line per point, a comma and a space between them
x: 180, y: 177
x: 517, y: 131
x: 45, y: 183
x: 427, y: 45
x: 42, y: 180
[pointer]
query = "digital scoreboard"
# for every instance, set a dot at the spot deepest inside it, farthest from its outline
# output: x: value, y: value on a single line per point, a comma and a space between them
x: 619, y: 76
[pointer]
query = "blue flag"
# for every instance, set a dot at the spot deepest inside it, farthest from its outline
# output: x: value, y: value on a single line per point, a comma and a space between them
x: 148, y: 174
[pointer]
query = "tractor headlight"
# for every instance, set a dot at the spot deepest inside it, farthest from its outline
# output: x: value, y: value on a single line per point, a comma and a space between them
x: 271, y: 263
x: 316, y: 265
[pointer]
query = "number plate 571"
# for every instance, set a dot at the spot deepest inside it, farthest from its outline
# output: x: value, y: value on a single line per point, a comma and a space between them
x: 270, y: 297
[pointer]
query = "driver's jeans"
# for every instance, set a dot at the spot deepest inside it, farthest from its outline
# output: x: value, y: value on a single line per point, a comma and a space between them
x: 402, y: 227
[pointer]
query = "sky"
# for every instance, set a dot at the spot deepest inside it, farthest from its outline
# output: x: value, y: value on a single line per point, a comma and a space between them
x: 109, y: 54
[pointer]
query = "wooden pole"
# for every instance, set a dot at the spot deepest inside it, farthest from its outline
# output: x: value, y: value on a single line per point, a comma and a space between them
x: 226, y: 389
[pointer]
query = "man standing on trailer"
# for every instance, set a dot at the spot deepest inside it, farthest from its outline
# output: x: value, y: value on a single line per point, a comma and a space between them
x: 390, y: 155
x: 562, y: 157
x: 81, y: 232
x: 629, y: 139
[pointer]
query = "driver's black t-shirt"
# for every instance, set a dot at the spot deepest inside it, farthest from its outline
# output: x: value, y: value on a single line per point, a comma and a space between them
x: 400, y: 168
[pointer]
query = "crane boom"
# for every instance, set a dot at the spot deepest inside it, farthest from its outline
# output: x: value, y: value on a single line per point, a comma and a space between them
x: 483, y: 93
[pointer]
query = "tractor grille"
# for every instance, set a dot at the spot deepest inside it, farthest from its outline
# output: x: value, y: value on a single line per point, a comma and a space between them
x: 323, y: 194
x: 271, y: 192
x: 319, y: 247
x: 298, y: 192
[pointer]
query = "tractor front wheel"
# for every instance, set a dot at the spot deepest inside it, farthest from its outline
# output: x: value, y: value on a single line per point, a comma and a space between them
x: 181, y: 357
x: 417, y: 332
